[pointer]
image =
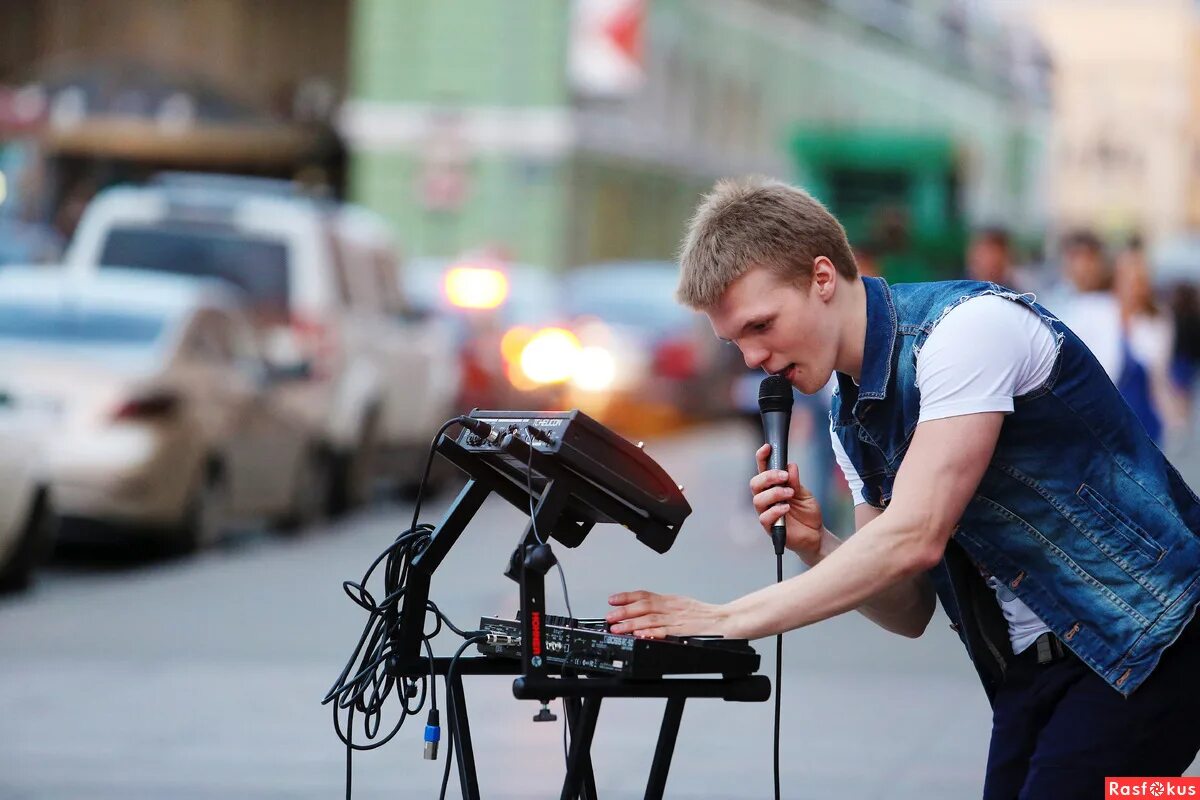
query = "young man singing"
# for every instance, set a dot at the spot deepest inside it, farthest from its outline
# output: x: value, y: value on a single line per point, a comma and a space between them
x: 994, y: 464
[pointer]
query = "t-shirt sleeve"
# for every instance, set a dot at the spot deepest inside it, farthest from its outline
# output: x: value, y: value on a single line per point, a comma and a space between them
x: 848, y: 470
x: 981, y: 355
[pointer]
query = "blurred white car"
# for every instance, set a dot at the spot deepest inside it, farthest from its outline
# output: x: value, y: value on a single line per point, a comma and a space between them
x: 410, y: 352
x: 27, y: 518
x: 305, y: 266
x: 165, y: 416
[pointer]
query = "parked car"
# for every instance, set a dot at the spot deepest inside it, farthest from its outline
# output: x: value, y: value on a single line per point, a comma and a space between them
x: 417, y: 380
x: 27, y: 519
x: 298, y: 261
x: 166, y: 419
x: 508, y: 325
x: 659, y: 358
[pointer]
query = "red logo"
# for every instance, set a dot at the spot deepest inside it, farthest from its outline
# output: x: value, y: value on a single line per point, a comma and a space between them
x: 1151, y: 787
x: 535, y: 625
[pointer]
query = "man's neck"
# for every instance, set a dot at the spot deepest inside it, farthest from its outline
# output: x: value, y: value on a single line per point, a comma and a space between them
x: 853, y: 335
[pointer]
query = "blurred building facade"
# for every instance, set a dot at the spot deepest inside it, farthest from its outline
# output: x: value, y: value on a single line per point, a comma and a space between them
x: 556, y: 133
x: 479, y: 124
x: 1126, y: 135
x: 95, y: 92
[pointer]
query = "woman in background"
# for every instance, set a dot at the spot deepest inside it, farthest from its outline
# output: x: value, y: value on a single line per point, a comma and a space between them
x: 1147, y: 342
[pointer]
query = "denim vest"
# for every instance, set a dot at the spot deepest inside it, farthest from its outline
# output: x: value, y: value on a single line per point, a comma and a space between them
x: 1078, y: 513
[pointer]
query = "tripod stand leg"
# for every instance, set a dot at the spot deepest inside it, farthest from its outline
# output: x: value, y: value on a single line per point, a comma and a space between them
x: 665, y: 749
x: 579, y: 762
x: 462, y: 740
x: 587, y: 791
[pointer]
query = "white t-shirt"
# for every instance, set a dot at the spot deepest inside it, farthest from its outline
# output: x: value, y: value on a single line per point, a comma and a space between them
x: 1095, y: 317
x: 982, y: 354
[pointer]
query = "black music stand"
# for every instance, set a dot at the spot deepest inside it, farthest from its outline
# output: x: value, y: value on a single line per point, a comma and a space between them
x: 537, y: 680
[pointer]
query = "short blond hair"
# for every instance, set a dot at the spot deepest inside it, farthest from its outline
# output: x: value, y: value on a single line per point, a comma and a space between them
x: 752, y: 221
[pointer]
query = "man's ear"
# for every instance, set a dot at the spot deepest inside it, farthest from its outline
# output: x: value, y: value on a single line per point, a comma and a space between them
x: 824, y: 278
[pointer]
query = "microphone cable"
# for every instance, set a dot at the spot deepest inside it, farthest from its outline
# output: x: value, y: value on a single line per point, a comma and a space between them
x: 778, y: 677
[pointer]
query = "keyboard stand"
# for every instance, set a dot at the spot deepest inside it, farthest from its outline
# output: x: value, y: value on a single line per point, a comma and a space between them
x: 538, y: 679
x: 581, y: 701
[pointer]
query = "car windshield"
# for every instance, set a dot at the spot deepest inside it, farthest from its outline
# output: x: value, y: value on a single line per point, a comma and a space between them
x: 73, y: 325
x: 258, y: 266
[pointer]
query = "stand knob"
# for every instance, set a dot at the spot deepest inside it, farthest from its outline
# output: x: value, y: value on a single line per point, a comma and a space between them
x: 544, y: 715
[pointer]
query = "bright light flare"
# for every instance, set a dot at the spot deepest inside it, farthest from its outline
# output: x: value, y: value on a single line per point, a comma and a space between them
x: 513, y: 342
x: 550, y: 356
x: 476, y: 287
x: 595, y: 369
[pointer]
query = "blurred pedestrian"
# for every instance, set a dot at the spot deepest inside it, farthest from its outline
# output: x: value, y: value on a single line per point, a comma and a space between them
x: 1148, y: 338
x: 1185, y: 356
x: 1087, y: 304
x: 993, y: 463
x: 990, y: 258
x: 867, y: 257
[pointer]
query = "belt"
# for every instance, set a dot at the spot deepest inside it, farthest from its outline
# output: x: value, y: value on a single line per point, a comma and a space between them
x: 1048, y: 648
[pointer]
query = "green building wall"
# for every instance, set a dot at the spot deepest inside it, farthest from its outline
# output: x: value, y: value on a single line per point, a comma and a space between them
x: 724, y: 86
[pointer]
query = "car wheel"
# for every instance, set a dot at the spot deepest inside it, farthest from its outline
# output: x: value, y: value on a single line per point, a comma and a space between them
x: 354, y: 472
x: 310, y: 492
x: 206, y: 516
x: 37, y: 537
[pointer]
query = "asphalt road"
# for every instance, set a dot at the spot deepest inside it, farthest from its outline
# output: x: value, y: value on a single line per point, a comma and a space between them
x: 125, y: 678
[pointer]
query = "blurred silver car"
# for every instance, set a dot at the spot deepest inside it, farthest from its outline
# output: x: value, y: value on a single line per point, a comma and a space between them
x: 26, y: 512
x: 319, y: 278
x: 164, y: 413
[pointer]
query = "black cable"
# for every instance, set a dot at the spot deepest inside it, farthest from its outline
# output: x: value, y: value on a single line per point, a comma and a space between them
x: 562, y: 577
x: 778, y: 677
x: 366, y: 681
x: 451, y: 708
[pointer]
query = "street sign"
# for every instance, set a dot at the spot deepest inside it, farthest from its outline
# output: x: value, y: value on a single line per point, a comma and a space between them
x: 606, y: 47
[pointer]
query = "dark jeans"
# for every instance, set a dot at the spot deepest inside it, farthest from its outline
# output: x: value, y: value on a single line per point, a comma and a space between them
x: 1058, y: 730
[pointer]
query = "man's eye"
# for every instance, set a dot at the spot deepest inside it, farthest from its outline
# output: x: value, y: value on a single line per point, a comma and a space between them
x: 759, y: 327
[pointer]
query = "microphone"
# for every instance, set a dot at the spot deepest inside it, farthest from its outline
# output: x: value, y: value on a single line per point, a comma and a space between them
x: 775, y: 404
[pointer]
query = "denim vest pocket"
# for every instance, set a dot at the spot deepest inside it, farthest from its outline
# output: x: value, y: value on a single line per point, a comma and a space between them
x: 1120, y: 524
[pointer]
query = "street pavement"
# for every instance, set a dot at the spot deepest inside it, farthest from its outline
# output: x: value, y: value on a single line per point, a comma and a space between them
x: 123, y: 678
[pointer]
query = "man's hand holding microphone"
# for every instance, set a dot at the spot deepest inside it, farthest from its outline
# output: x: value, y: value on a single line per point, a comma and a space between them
x: 779, y: 495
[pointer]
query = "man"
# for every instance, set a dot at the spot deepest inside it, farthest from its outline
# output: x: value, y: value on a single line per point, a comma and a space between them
x: 993, y: 464
x: 989, y: 258
x: 1088, y: 306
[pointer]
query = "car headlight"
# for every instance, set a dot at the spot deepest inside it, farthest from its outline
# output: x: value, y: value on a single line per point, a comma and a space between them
x: 550, y: 356
x: 595, y: 369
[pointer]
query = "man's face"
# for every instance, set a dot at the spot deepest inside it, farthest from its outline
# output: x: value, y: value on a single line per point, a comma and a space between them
x: 1084, y: 267
x: 779, y: 327
x: 987, y: 260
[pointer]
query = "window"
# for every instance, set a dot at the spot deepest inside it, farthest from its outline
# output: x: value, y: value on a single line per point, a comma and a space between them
x: 78, y: 325
x: 256, y: 265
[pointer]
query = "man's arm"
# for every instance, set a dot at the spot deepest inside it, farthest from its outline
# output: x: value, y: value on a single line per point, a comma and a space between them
x: 904, y: 608
x: 939, y: 474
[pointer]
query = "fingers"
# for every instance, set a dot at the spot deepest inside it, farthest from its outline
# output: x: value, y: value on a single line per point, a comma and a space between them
x: 761, y: 457
x: 767, y: 479
x: 625, y: 598
x: 631, y: 610
x: 642, y: 616
x: 772, y: 515
x: 774, y: 496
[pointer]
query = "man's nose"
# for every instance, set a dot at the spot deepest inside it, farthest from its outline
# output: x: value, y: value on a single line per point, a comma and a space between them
x: 755, y: 358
